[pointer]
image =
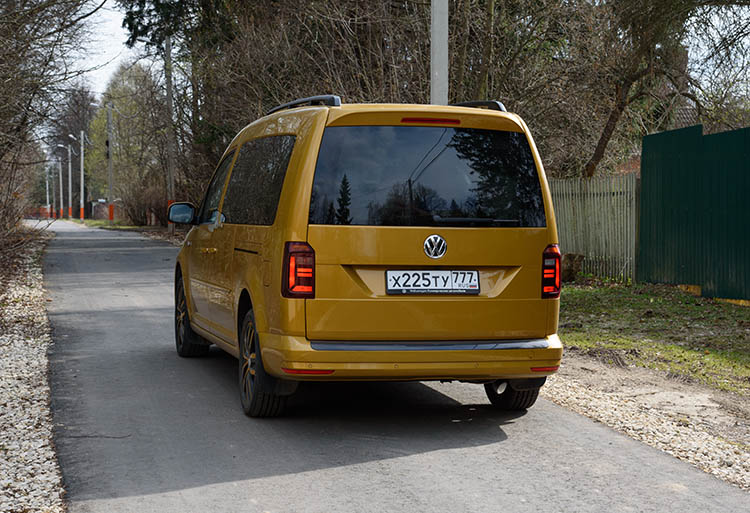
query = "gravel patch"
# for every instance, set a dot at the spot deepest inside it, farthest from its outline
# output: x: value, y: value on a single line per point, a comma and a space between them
x: 30, y: 478
x: 704, y: 427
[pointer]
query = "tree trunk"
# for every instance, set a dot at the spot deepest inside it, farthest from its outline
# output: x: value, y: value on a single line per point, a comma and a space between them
x: 460, y: 90
x: 621, y: 101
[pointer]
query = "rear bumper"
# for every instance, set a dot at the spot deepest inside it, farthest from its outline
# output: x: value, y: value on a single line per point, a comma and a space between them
x: 423, y: 360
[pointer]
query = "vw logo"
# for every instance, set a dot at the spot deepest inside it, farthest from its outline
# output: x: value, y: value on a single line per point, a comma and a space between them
x: 435, y: 246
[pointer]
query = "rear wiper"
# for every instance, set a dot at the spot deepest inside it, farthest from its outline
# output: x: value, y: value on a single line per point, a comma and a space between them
x: 476, y: 220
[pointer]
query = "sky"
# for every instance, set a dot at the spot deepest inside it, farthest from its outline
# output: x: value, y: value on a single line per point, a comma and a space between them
x: 106, y: 49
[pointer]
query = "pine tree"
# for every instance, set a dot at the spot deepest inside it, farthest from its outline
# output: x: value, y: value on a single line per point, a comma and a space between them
x: 330, y: 214
x: 455, y: 210
x: 344, y: 200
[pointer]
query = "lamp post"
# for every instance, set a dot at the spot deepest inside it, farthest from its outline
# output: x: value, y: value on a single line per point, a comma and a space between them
x: 70, y: 185
x: 62, y: 203
x: 59, y: 171
x: 46, y: 187
x: 53, y: 212
x: 109, y: 163
x: 83, y: 136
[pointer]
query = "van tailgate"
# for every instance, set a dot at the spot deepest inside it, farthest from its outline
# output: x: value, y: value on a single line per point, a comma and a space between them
x: 351, y: 301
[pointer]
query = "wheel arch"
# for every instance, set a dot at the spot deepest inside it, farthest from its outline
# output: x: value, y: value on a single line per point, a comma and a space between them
x: 244, y: 305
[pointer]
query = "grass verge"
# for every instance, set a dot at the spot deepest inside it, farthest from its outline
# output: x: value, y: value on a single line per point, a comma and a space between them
x: 660, y: 327
x: 116, y: 225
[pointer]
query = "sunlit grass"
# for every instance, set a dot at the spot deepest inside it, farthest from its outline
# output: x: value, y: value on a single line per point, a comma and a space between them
x: 660, y: 327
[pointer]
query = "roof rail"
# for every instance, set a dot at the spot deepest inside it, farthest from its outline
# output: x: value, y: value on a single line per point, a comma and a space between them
x: 487, y: 104
x: 326, y: 99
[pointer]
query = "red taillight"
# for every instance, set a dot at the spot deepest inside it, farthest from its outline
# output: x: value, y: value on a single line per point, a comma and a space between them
x: 545, y: 369
x: 551, y: 272
x: 298, y: 279
x: 432, y: 121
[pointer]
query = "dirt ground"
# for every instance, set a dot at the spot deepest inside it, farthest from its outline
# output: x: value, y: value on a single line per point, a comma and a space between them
x: 723, y: 413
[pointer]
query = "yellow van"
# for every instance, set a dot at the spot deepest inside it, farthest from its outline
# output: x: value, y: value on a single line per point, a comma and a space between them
x: 374, y: 242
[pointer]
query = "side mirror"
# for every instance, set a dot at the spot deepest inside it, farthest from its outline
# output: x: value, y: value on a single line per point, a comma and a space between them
x: 181, y: 213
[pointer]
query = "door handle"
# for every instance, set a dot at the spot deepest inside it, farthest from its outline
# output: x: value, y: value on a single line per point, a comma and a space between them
x: 209, y: 251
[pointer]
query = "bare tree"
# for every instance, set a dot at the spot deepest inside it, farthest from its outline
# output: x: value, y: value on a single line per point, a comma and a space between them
x: 721, y: 42
x: 37, y: 38
x: 647, y: 44
x: 590, y: 78
x: 138, y: 146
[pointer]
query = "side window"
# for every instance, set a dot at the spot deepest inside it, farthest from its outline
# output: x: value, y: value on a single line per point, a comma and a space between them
x: 210, y: 205
x: 255, y: 185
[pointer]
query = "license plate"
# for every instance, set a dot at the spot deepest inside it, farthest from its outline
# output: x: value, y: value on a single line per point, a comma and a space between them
x: 431, y: 282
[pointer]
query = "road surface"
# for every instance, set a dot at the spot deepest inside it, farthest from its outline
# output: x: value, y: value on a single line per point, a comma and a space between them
x: 139, y: 429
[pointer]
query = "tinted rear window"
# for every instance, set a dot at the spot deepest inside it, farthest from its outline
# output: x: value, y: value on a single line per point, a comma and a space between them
x: 425, y: 176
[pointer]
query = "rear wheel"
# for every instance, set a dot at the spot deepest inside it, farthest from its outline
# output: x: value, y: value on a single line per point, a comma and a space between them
x: 188, y: 342
x: 256, y: 387
x: 504, y: 397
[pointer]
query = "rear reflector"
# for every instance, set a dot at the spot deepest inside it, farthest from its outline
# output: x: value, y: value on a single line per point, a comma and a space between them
x: 551, y: 272
x: 298, y: 278
x: 545, y: 369
x: 432, y: 121
x: 318, y: 372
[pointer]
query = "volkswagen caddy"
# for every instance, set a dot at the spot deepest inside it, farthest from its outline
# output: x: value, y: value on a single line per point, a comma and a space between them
x: 369, y: 242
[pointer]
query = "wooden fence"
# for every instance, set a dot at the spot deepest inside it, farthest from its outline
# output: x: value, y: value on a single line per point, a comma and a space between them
x: 598, y: 218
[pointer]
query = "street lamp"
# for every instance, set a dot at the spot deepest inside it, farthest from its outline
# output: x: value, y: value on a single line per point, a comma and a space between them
x: 59, y: 165
x: 46, y: 187
x: 83, y: 137
x: 53, y: 212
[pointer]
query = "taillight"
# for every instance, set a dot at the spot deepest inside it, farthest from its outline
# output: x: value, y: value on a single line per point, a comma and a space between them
x: 554, y: 368
x: 551, y: 272
x: 298, y: 279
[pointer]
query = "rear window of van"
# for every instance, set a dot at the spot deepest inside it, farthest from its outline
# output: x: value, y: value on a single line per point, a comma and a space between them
x: 425, y: 176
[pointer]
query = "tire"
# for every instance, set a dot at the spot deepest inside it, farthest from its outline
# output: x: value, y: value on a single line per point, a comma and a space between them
x: 510, y: 399
x: 189, y: 344
x: 256, y: 386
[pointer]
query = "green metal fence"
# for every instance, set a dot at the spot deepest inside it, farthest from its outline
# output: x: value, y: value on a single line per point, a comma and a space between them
x: 694, y: 211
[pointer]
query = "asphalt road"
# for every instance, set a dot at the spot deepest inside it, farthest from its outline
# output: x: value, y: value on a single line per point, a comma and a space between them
x: 140, y: 429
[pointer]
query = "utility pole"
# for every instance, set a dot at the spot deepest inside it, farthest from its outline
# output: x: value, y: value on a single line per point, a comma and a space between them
x: 109, y: 162
x: 81, y: 196
x: 439, y: 52
x: 170, y: 125
x: 59, y: 165
x: 70, y: 185
x: 62, y: 203
x: 73, y: 137
x: 54, y: 202
x: 46, y: 186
